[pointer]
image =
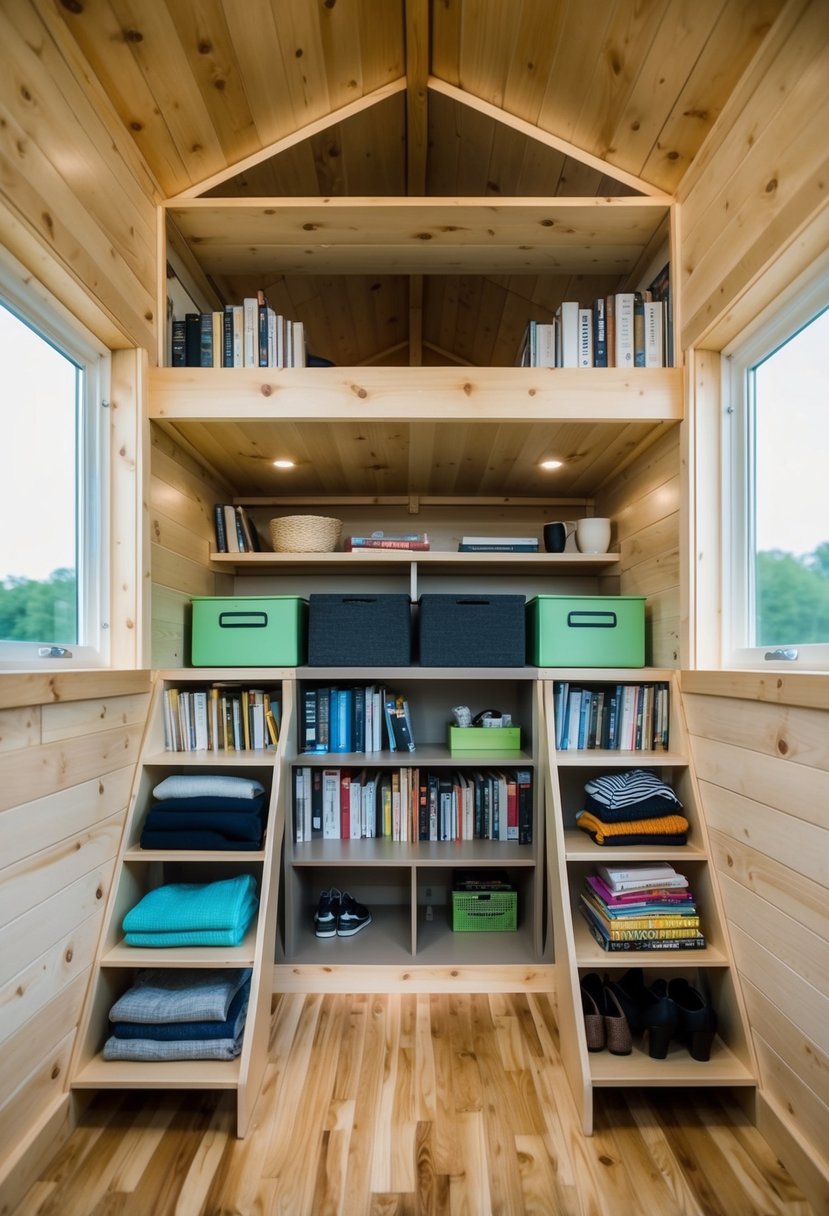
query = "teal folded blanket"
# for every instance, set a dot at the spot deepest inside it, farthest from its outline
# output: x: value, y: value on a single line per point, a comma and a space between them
x: 193, y: 914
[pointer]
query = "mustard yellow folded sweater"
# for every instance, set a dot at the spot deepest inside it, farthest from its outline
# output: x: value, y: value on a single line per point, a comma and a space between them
x: 665, y: 825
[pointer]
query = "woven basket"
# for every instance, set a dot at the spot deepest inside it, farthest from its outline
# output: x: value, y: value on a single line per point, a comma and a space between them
x: 305, y: 533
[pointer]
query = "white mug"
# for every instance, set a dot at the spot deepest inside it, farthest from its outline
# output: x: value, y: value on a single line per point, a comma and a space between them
x: 593, y: 535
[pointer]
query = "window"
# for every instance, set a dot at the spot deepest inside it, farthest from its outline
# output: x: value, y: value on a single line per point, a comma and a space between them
x: 776, y: 443
x: 53, y: 487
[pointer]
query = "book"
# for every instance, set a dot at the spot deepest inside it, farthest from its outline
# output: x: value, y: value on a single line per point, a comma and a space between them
x: 178, y: 353
x: 357, y: 544
x: 567, y: 334
x: 192, y: 339
x: 599, y: 317
x: 676, y: 943
x: 250, y: 332
x: 624, y: 329
x: 653, y: 334
x: 585, y: 332
x: 219, y: 526
x: 499, y: 540
x: 498, y: 547
x: 231, y: 530
x: 638, y: 329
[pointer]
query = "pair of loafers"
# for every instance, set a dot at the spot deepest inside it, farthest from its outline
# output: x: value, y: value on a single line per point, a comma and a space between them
x: 615, y: 1010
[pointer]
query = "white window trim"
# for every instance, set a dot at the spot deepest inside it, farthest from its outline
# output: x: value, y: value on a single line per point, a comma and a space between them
x: 801, y: 302
x: 35, y: 306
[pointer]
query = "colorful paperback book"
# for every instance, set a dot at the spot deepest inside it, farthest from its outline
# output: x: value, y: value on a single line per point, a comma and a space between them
x: 680, y: 943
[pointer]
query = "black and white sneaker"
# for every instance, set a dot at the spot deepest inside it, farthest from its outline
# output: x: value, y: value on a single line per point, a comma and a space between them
x: 327, y: 915
x: 353, y: 916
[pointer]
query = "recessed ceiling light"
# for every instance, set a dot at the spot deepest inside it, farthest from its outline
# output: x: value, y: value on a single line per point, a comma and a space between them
x: 283, y: 464
x: 551, y: 464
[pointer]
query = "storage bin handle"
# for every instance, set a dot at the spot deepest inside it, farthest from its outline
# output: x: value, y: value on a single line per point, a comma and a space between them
x: 591, y: 620
x: 243, y: 620
x: 359, y: 599
x: 464, y: 600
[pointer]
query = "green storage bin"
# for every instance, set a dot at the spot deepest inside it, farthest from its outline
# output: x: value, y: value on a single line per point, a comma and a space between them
x: 484, y: 911
x: 586, y: 631
x: 484, y: 739
x: 248, y: 631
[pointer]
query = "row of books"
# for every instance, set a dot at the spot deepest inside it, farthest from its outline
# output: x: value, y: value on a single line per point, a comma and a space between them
x: 621, y: 717
x: 250, y: 334
x: 409, y: 804
x: 365, y: 718
x: 646, y: 906
x: 222, y: 717
x: 235, y: 530
x: 379, y: 540
x: 626, y: 329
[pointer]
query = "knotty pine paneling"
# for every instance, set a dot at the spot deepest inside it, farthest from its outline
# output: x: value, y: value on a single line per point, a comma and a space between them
x: 763, y: 772
x: 182, y: 495
x: 77, y: 203
x: 755, y: 203
x: 642, y: 501
x: 66, y: 766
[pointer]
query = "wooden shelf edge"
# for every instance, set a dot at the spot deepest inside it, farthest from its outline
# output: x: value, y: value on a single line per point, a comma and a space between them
x: 173, y: 1074
x: 377, y: 977
x: 678, y: 1069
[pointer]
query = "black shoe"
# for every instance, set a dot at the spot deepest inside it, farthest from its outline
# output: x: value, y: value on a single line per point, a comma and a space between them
x: 650, y: 1010
x: 697, y: 1019
x: 353, y: 916
x: 327, y: 915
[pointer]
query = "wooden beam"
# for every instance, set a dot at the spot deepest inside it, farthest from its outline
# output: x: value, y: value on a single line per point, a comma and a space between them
x: 415, y: 320
x: 417, y: 75
x: 295, y: 137
x: 545, y: 137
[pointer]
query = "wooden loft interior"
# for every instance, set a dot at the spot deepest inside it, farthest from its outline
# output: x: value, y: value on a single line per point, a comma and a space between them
x: 414, y: 180
x: 408, y: 149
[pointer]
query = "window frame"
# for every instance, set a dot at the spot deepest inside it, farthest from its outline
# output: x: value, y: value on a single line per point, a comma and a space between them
x: 34, y: 307
x: 773, y: 329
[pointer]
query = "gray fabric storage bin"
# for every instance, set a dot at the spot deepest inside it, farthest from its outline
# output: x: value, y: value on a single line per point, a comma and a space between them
x: 472, y: 630
x: 359, y: 630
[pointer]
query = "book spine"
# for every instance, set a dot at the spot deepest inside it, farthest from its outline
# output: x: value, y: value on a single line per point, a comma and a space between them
x: 585, y: 337
x: 599, y: 333
x: 462, y: 548
x: 206, y: 339
x: 624, y: 329
x: 690, y: 943
x: 227, y: 337
x: 192, y: 342
x: 219, y: 525
x: 653, y: 333
x: 179, y: 346
x: 352, y: 545
x: 638, y: 330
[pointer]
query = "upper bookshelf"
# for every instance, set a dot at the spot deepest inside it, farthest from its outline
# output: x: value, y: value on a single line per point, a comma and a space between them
x: 374, y: 431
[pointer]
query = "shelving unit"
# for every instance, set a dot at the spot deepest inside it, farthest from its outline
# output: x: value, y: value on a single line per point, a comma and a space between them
x: 139, y: 870
x: 401, y: 882
x: 572, y: 854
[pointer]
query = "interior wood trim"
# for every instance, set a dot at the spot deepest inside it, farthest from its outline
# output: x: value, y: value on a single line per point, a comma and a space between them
x: 417, y: 74
x: 807, y: 689
x: 545, y: 137
x: 295, y: 137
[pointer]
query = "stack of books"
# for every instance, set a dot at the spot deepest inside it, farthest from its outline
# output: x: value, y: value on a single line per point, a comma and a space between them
x: 379, y: 540
x: 250, y: 334
x: 235, y: 530
x: 354, y: 720
x: 645, y: 906
x: 625, y: 329
x: 407, y: 803
x: 224, y: 717
x: 622, y: 717
x: 498, y: 544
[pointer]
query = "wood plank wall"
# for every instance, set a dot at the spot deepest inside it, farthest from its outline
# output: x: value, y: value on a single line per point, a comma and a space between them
x: 84, y: 224
x: 643, y: 504
x: 755, y: 201
x: 182, y: 494
x: 760, y: 747
x: 68, y: 747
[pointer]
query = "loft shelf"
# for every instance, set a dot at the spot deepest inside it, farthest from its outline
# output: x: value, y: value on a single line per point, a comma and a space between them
x: 398, y: 559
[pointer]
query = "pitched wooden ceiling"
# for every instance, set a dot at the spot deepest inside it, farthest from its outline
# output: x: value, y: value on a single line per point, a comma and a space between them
x: 494, y: 99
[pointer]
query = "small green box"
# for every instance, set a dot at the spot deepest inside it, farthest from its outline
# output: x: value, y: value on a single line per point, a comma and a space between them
x: 586, y: 631
x: 248, y: 631
x: 484, y: 911
x: 484, y: 739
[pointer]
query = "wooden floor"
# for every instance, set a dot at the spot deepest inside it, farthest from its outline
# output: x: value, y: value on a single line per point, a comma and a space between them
x: 374, y: 1105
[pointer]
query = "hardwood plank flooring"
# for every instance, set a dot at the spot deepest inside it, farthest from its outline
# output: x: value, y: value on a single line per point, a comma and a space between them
x: 415, y: 1104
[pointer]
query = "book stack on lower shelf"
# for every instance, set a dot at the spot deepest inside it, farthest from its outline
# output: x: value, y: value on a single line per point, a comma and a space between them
x: 641, y: 907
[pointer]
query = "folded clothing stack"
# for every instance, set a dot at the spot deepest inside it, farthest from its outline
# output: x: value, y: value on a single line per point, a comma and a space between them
x: 180, y: 1015
x: 633, y: 807
x: 206, y: 811
x: 193, y: 914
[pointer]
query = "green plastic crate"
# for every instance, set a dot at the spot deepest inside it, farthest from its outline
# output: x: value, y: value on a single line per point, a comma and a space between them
x: 484, y: 911
x: 586, y: 631
x: 248, y: 631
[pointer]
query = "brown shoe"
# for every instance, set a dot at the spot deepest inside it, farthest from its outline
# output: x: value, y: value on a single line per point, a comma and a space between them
x: 592, y: 1005
x: 617, y: 1030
